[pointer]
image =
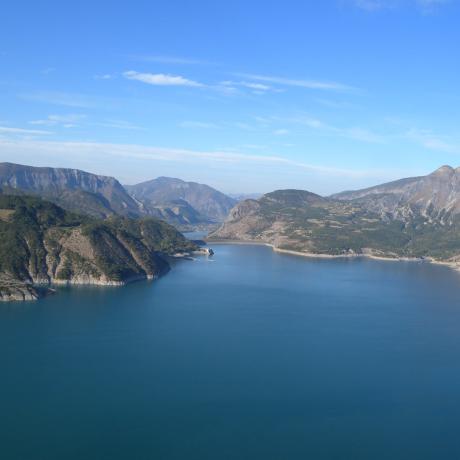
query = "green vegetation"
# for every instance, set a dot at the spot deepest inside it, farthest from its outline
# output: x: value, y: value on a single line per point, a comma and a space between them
x: 41, y: 242
x: 302, y: 221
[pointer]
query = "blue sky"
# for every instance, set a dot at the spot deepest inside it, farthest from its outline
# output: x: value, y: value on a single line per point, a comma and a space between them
x: 245, y: 96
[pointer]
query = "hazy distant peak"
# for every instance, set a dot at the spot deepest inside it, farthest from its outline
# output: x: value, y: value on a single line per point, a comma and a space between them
x: 207, y: 201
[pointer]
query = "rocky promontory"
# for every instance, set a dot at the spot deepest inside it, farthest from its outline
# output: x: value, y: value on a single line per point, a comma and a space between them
x: 41, y: 244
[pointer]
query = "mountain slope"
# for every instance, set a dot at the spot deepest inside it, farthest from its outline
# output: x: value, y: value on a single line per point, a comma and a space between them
x: 40, y: 243
x: 75, y: 190
x: 435, y: 196
x: 302, y: 221
x: 209, y: 204
x: 420, y: 221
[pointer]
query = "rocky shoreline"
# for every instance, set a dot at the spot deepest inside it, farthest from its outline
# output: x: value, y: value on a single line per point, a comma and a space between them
x: 12, y: 289
x: 453, y: 265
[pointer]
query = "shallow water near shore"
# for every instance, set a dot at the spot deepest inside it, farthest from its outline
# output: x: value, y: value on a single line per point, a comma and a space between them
x: 249, y: 354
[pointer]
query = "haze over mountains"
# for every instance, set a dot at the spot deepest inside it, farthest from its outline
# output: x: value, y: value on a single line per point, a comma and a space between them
x: 183, y: 204
x: 211, y: 205
x: 414, y: 217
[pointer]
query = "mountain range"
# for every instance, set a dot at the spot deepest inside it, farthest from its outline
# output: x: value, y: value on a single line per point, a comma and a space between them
x: 68, y: 226
x: 415, y: 217
x: 183, y: 204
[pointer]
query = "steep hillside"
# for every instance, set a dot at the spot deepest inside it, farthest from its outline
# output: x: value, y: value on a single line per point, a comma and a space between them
x: 435, y: 196
x: 209, y: 204
x: 300, y: 221
x: 74, y: 190
x: 40, y: 243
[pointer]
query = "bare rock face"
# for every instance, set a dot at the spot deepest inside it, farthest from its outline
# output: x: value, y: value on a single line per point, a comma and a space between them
x: 12, y: 289
x: 75, y: 190
x: 435, y: 196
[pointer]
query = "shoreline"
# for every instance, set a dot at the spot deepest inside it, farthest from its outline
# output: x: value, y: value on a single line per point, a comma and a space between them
x: 311, y: 255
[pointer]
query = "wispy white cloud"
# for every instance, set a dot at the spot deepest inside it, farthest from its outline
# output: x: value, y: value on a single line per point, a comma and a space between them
x: 301, y: 83
x: 355, y: 132
x: 280, y: 132
x: 361, y: 134
x: 12, y: 147
x: 106, y: 76
x: 67, y: 121
x: 255, y: 87
x: 21, y: 131
x: 160, y: 79
x: 333, y: 104
x: 119, y: 124
x: 429, y: 6
x: 431, y: 141
x: 374, y: 5
x: 61, y: 98
x: 75, y: 120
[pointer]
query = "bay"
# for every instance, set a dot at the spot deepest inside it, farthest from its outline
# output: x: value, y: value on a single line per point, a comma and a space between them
x: 249, y: 354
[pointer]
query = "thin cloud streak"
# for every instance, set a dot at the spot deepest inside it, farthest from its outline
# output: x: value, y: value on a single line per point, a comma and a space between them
x: 160, y: 79
x: 9, y: 130
x: 308, y: 84
x: 431, y: 141
x: 80, y: 101
x: 91, y: 149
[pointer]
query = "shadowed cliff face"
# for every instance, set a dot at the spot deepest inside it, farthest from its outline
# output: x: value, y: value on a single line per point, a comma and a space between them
x: 416, y: 217
x: 75, y: 190
x: 41, y: 243
x: 436, y: 196
x: 209, y: 204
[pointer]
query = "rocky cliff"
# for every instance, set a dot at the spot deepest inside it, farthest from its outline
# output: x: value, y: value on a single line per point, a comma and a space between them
x: 435, y: 197
x: 75, y: 190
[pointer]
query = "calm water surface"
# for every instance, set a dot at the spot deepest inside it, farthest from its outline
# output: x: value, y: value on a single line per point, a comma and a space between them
x: 248, y: 355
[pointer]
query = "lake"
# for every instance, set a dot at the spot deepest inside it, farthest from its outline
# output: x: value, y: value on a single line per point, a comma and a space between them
x: 246, y: 355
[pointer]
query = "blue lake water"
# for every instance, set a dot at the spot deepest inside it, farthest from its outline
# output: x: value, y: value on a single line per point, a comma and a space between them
x: 248, y: 355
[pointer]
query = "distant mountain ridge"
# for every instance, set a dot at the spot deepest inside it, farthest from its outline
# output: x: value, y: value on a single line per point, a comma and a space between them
x: 210, y: 204
x: 180, y: 203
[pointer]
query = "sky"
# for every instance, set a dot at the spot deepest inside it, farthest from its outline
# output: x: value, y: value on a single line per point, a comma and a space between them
x: 246, y: 96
